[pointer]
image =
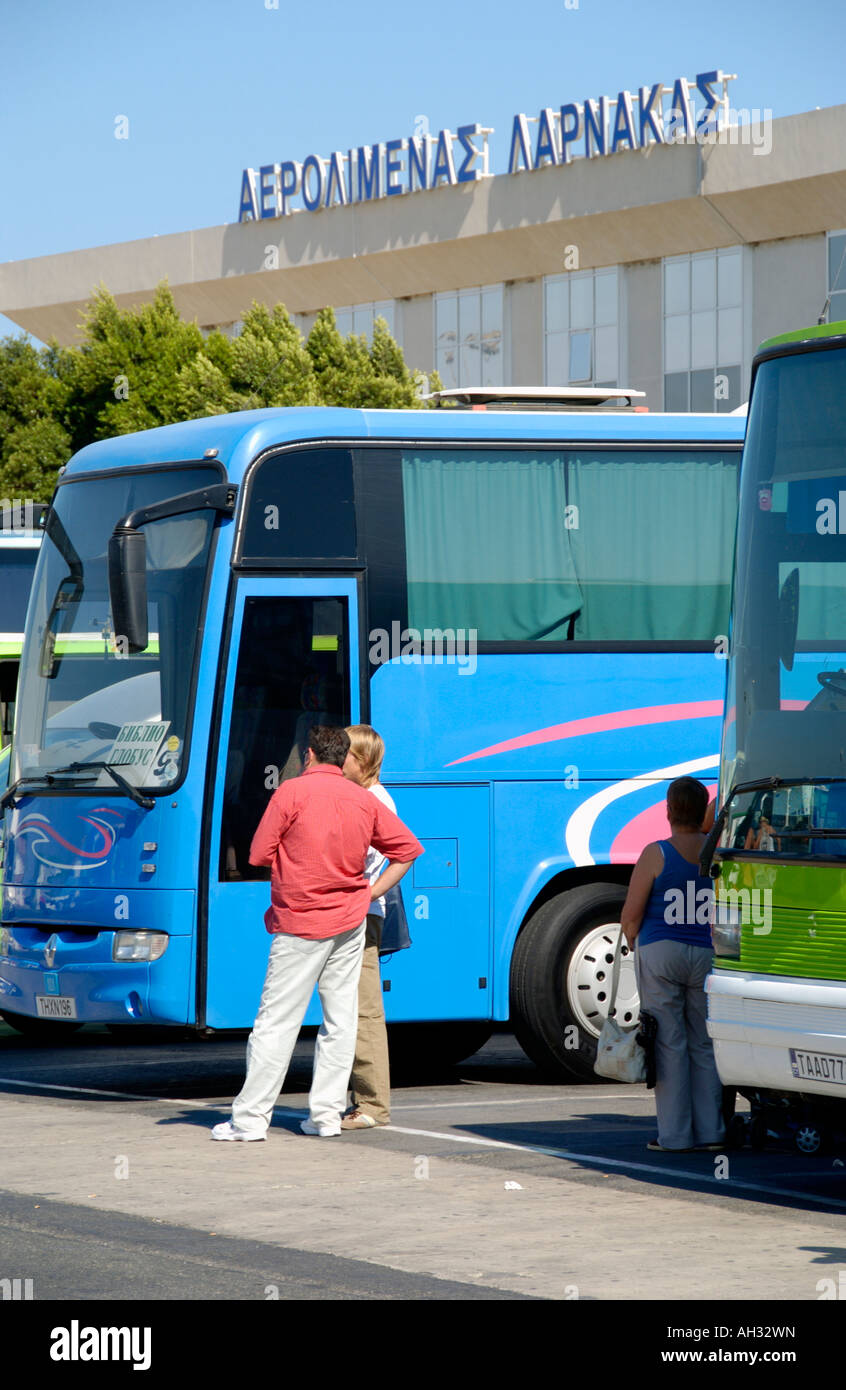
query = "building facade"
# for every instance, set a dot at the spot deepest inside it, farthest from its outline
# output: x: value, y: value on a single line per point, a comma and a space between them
x: 658, y: 267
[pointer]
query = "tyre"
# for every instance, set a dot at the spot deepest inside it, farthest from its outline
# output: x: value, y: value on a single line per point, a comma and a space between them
x: 561, y: 979
x: 39, y: 1027
x: 422, y: 1047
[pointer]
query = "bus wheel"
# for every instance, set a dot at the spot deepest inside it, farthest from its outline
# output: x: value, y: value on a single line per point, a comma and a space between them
x: 561, y: 979
x: 39, y: 1027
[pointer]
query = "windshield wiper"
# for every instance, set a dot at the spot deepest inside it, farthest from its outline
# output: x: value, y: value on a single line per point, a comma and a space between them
x: 8, y: 797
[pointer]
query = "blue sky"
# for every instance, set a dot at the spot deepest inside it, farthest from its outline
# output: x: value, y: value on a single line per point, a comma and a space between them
x: 209, y: 86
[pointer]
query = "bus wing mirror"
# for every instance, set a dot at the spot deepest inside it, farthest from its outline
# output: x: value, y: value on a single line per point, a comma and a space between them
x: 788, y: 619
x: 128, y: 588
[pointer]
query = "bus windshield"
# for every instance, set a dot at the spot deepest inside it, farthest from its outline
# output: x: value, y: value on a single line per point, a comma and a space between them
x: 83, y: 698
x: 786, y: 700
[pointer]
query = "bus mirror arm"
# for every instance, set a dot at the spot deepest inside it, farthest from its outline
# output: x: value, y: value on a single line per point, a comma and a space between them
x: 128, y: 557
x: 707, y: 854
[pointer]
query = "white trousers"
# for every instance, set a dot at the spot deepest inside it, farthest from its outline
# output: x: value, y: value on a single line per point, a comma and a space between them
x: 295, y: 966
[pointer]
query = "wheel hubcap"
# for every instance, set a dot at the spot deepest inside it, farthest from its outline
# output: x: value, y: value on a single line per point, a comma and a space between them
x: 589, y: 981
x: 808, y: 1140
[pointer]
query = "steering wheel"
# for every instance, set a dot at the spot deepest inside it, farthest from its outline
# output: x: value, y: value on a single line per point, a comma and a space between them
x: 833, y: 680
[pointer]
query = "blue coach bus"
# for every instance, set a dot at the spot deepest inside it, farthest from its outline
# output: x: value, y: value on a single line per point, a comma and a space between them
x: 526, y: 605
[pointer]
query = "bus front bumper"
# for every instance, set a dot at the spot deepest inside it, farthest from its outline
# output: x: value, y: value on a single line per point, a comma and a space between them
x: 77, y: 979
x: 778, y: 1032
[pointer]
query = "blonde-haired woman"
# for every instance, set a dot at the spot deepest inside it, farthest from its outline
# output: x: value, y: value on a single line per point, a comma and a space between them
x: 370, y: 1081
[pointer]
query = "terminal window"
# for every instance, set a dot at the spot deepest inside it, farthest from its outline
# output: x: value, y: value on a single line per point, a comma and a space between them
x: 837, y: 277
x: 469, y: 337
x: 703, y: 331
x: 581, y: 333
x: 360, y: 318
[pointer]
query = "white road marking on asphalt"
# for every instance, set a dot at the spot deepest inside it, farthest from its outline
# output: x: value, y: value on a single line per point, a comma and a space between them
x: 726, y: 1184
x: 112, y: 1095
x: 409, y: 1105
x: 539, y: 1100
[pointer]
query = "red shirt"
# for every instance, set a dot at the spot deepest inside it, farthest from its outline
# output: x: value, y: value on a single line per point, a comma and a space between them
x: 315, y: 834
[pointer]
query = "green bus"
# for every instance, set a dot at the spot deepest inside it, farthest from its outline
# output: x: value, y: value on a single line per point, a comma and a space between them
x: 777, y: 994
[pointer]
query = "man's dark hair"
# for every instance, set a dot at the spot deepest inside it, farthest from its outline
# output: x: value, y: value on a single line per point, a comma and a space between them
x: 329, y: 744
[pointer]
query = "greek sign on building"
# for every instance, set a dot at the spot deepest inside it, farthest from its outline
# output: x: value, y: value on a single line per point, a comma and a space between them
x: 656, y: 115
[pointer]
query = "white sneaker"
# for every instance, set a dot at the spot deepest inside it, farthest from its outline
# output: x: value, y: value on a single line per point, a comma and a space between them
x: 324, y: 1130
x: 227, y: 1130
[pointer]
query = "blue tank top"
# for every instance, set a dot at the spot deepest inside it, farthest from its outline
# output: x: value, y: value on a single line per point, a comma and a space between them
x: 679, y: 906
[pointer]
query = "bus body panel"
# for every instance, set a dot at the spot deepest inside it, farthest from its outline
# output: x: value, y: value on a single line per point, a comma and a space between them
x: 448, y: 903
x: 568, y: 793
x: 759, y: 1022
x: 69, y: 963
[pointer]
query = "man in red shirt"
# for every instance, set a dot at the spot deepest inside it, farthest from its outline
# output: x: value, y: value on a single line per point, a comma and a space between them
x: 315, y: 834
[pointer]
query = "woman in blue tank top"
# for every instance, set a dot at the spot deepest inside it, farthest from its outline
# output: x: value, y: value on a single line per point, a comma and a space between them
x: 667, y: 915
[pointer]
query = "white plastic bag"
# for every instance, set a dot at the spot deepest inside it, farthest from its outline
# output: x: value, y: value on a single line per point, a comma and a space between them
x: 619, y: 1056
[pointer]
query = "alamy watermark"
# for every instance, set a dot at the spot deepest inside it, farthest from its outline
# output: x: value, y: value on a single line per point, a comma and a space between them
x: 15, y: 1290
x: 734, y: 907
x: 20, y: 514
x: 428, y: 646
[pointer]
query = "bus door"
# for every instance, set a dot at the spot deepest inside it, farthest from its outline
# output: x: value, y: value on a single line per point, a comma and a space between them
x: 293, y: 662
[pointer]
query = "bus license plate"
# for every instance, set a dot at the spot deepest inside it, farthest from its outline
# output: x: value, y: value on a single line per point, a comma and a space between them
x: 817, y: 1066
x: 55, y: 1006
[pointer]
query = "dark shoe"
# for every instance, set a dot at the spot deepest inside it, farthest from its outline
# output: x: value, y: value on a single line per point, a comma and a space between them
x: 711, y: 1148
x: 657, y: 1148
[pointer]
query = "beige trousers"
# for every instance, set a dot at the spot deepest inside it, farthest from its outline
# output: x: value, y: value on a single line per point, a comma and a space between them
x: 370, y: 1082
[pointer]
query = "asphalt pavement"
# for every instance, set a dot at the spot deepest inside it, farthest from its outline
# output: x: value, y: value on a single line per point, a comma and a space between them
x: 490, y: 1183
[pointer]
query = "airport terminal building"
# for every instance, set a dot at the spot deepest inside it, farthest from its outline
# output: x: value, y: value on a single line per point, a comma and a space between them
x: 629, y: 243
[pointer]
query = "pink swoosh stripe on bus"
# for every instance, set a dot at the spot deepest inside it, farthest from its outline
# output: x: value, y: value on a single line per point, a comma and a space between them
x: 649, y: 825
x: 600, y: 724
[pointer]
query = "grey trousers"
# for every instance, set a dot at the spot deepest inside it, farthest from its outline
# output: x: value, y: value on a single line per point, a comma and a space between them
x: 688, y: 1092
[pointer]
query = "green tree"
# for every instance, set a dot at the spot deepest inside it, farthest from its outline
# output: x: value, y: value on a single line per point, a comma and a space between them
x: 125, y: 375
x: 34, y: 442
x: 265, y: 365
x: 138, y: 368
x: 351, y: 374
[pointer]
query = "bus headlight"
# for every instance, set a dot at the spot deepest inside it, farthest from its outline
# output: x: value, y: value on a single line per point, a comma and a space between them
x: 725, y: 930
x: 5, y: 935
x: 139, y: 945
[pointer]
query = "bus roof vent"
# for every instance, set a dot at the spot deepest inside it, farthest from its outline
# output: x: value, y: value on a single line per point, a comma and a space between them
x: 539, y: 398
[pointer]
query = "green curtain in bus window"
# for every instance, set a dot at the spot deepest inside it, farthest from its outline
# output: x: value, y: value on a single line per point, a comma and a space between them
x: 487, y: 545
x: 653, y: 545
